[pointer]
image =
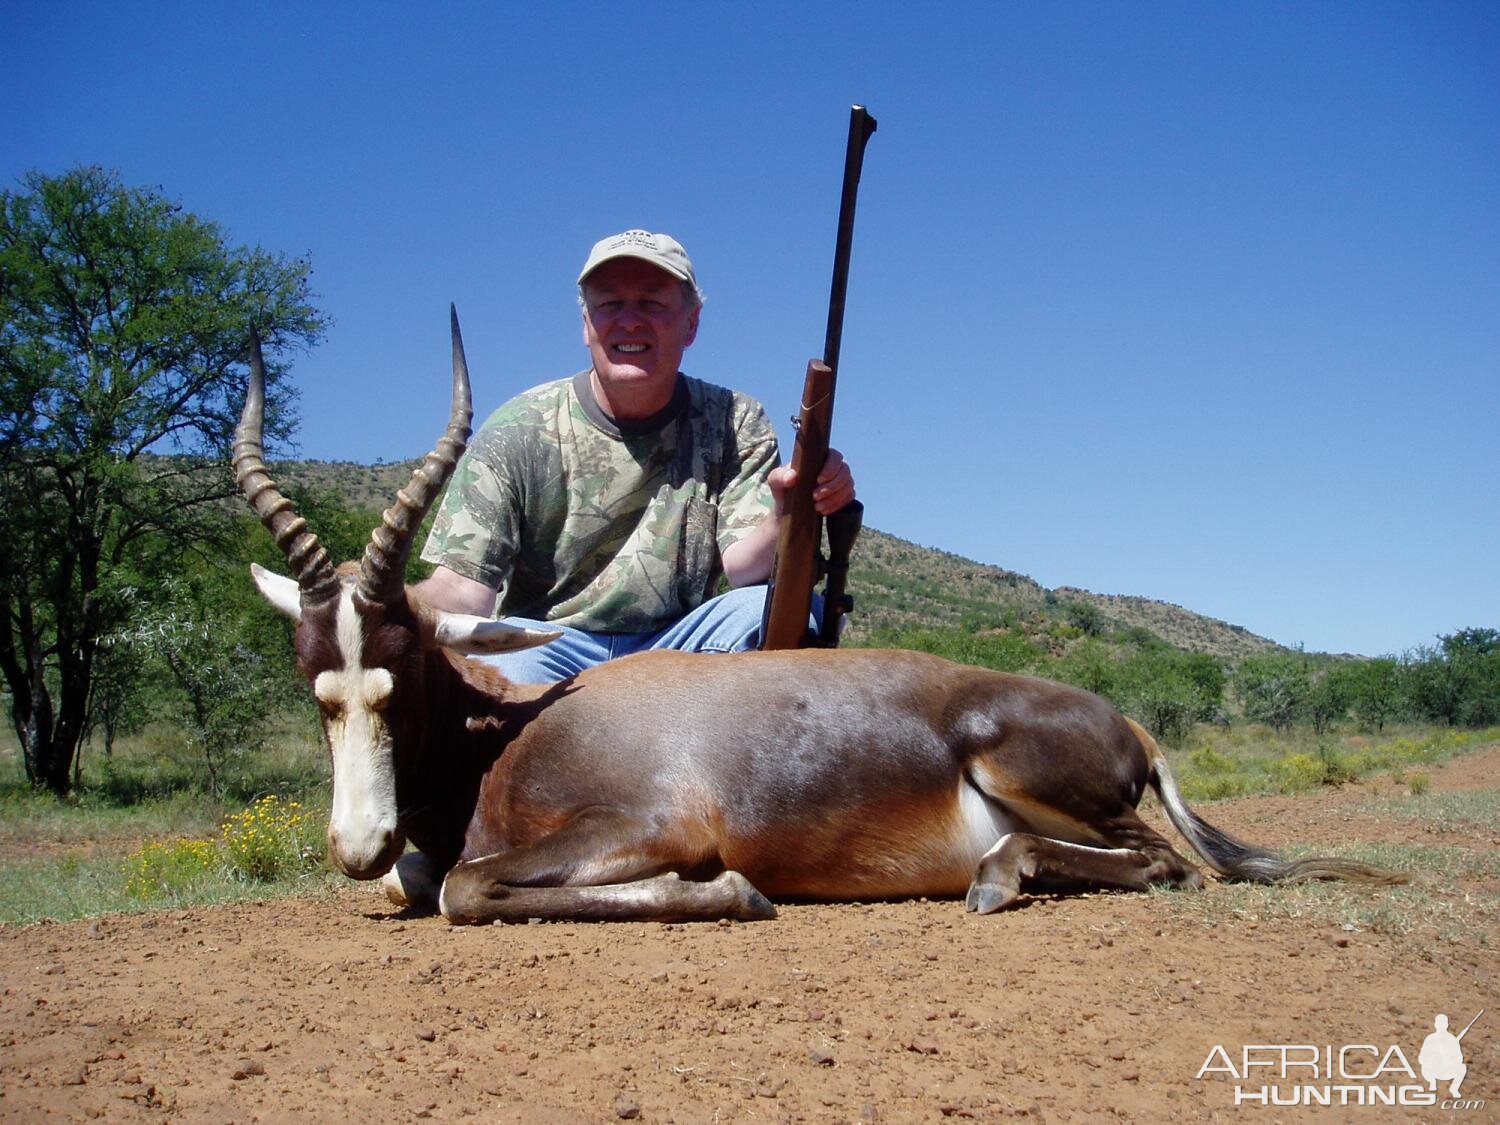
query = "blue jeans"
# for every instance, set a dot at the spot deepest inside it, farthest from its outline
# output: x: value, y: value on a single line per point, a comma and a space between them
x: 728, y: 623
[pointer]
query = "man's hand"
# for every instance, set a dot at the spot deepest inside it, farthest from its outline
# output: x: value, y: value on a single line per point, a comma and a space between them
x: 749, y: 561
x: 834, y: 489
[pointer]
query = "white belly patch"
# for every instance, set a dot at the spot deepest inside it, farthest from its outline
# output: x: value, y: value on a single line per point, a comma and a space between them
x: 981, y: 824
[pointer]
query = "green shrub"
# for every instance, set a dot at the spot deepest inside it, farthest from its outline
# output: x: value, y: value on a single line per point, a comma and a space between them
x: 169, y: 869
x: 1219, y: 788
x: 1003, y: 651
x: 1206, y: 759
x: 1336, y: 769
x: 1297, y: 773
x: 272, y: 839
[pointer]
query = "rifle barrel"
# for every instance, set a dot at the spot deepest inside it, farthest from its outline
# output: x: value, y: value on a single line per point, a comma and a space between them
x: 861, y: 127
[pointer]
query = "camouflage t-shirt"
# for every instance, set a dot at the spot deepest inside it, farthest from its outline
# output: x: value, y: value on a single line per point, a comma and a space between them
x: 612, y: 527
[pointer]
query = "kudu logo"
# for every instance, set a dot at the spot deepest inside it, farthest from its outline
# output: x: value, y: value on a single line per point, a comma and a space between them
x: 1354, y: 1074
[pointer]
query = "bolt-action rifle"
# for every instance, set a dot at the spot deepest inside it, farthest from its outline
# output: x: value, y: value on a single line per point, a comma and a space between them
x: 799, y: 563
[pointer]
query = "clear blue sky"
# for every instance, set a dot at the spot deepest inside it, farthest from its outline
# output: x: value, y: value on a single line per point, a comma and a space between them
x: 1198, y: 302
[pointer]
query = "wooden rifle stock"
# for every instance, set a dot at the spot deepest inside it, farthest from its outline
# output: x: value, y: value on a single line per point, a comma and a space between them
x: 799, y: 561
x: 800, y: 537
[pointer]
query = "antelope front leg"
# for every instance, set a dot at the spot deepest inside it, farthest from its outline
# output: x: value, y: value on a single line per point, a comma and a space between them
x: 603, y: 865
x: 470, y: 897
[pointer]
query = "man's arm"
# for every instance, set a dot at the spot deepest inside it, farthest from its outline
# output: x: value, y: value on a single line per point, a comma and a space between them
x: 748, y: 561
x: 449, y: 590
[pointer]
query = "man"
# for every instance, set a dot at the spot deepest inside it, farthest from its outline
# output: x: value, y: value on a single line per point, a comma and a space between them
x: 607, y: 506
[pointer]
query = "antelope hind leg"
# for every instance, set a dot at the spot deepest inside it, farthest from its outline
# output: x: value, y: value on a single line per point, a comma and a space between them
x: 469, y: 898
x: 1021, y: 860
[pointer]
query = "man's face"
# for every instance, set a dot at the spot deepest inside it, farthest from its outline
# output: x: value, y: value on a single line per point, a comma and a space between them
x: 636, y: 324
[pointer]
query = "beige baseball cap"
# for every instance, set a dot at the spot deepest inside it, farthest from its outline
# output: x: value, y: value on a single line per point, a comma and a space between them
x: 661, y: 250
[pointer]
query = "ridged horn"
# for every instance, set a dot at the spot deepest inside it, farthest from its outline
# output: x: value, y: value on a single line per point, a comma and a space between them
x: 382, y: 572
x: 310, y: 564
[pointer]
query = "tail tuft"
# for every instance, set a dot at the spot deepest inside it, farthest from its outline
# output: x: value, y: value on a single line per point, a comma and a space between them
x: 1347, y: 870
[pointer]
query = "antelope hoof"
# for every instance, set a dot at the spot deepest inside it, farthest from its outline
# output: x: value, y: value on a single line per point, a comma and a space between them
x: 987, y: 898
x: 413, y: 883
x: 748, y: 904
x: 390, y: 882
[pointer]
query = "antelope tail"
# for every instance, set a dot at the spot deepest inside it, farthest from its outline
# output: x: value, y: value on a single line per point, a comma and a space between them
x: 1233, y: 858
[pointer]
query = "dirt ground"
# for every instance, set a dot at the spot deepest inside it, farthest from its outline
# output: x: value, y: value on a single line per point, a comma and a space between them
x: 1081, y: 1009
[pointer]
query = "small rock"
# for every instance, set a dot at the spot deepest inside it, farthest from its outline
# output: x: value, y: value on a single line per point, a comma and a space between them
x: 768, y: 1087
x: 76, y: 1077
x: 627, y: 1109
x: 819, y: 1057
x: 427, y: 1035
x: 247, y: 1068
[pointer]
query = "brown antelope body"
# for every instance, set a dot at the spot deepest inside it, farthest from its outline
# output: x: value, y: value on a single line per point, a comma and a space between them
x: 672, y: 786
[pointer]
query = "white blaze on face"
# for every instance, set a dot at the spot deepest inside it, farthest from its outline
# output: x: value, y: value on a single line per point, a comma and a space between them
x: 353, y: 700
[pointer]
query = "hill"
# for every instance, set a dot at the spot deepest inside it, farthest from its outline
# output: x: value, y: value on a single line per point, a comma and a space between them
x: 897, y: 584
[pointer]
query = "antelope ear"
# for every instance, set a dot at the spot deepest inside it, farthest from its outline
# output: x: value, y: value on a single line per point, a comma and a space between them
x: 280, y: 591
x: 462, y: 632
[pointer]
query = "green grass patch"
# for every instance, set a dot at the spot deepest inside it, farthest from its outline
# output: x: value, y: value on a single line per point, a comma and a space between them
x: 269, y: 849
x: 1253, y: 760
x: 74, y: 886
x: 28, y: 817
x: 156, y: 784
x: 143, y: 831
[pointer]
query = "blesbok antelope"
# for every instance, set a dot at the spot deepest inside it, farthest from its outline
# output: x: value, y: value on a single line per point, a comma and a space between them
x: 674, y: 787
